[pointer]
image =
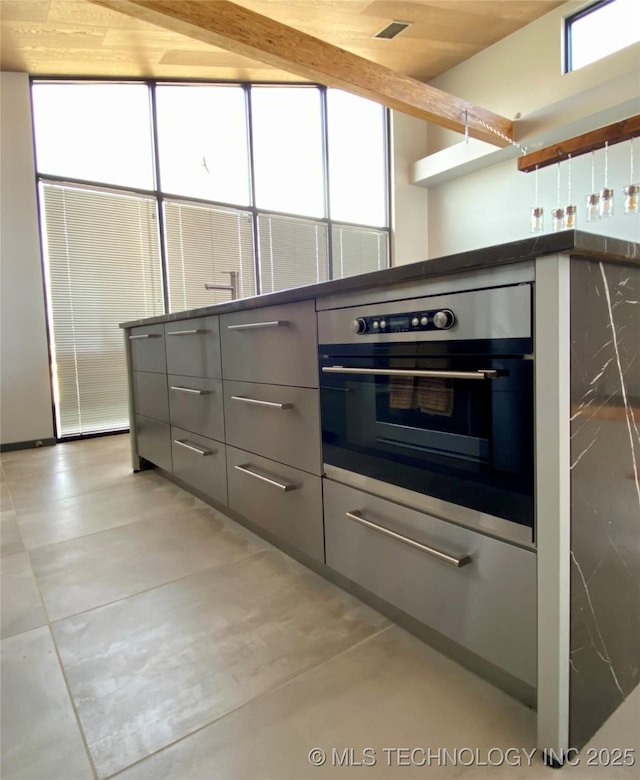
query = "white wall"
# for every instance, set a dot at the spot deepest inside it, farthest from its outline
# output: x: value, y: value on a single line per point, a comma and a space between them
x: 409, y: 203
x: 522, y: 75
x: 25, y: 395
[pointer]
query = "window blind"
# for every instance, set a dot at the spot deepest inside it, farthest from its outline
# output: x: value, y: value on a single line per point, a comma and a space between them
x: 293, y: 252
x: 357, y: 250
x: 204, y: 243
x: 103, y: 261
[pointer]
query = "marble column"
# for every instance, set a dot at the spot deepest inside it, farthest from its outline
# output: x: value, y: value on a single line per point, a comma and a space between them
x: 605, y: 492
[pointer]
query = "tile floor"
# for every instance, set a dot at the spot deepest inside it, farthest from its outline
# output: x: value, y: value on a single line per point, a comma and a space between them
x: 146, y: 636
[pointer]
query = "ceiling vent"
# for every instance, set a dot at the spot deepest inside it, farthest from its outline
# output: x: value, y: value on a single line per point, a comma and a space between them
x: 393, y: 29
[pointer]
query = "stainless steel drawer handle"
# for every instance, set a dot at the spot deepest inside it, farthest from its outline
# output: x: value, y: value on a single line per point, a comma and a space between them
x: 464, y: 560
x: 194, y: 332
x: 192, y: 390
x: 253, y: 325
x: 188, y: 446
x: 258, y: 402
x: 145, y: 336
x: 481, y: 373
x: 284, y: 486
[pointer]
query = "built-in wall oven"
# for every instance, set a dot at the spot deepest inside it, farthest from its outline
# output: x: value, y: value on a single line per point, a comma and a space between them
x: 429, y: 402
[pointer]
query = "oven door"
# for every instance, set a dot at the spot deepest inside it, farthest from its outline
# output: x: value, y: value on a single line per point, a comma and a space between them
x: 459, y: 429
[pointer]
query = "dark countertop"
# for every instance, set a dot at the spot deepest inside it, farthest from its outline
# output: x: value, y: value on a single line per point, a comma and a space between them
x: 573, y: 242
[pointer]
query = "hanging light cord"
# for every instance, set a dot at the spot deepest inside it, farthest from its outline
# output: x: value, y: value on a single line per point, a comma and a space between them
x: 558, y: 196
x: 482, y: 123
x: 569, y: 181
x: 593, y: 171
x: 606, y: 164
x: 536, y: 186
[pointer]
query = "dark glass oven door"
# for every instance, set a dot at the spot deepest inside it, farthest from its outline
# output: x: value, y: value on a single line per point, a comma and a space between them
x: 459, y: 428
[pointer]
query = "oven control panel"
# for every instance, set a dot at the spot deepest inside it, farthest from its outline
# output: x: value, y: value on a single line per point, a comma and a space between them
x: 408, y: 322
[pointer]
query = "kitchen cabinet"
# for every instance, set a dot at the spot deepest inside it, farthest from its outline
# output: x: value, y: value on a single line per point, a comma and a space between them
x: 478, y: 591
x: 147, y: 349
x: 247, y: 417
x: 193, y: 347
x: 196, y: 404
x: 284, y: 501
x: 277, y: 421
x: 153, y: 441
x: 200, y: 462
x: 273, y: 345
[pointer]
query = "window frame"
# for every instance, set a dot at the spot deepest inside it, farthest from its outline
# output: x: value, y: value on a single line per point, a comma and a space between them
x: 568, y: 24
x: 160, y: 195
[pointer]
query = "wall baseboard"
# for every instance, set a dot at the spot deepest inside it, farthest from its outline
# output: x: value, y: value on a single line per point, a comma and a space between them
x: 27, y: 445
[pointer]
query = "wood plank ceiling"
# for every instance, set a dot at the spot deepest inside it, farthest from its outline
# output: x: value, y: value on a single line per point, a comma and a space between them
x: 77, y: 38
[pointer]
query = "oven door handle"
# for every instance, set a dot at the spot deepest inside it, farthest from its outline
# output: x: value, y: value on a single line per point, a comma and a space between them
x: 481, y: 373
x: 463, y: 560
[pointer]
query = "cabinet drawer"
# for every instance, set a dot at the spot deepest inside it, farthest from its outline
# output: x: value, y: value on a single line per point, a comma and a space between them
x: 281, y: 423
x: 488, y: 606
x: 274, y: 345
x: 150, y: 395
x: 153, y: 441
x: 147, y: 348
x: 200, y: 462
x: 196, y: 405
x: 193, y: 347
x: 282, y: 500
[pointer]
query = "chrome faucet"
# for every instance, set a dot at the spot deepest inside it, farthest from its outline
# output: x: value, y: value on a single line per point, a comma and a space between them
x: 232, y: 287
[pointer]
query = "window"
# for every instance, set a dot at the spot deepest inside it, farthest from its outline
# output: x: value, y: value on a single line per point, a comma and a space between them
x: 358, y: 250
x: 599, y: 30
x: 357, y: 159
x: 293, y: 252
x: 203, y: 145
x: 103, y: 267
x: 204, y: 244
x: 287, y: 148
x: 151, y: 191
x: 96, y: 132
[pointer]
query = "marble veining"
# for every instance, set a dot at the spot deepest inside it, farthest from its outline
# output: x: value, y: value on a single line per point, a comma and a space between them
x: 605, y: 489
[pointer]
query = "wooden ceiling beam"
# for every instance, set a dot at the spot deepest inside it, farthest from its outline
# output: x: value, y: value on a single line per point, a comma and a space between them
x: 581, y: 144
x: 234, y: 28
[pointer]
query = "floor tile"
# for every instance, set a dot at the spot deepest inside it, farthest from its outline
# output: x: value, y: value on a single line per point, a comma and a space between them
x: 40, y: 490
x: 388, y: 693
x: 6, y: 502
x: 149, y: 670
x: 141, y: 498
x: 93, y: 570
x: 10, y: 539
x: 40, y: 735
x: 515, y: 734
x: 21, y: 608
x: 65, y: 456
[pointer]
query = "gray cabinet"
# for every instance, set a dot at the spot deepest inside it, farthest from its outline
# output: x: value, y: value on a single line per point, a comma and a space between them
x: 147, y: 349
x: 279, y: 422
x: 196, y: 405
x: 200, y: 462
x: 487, y: 606
x: 274, y: 345
x: 153, y: 441
x: 150, y: 395
x: 284, y: 501
x: 193, y: 347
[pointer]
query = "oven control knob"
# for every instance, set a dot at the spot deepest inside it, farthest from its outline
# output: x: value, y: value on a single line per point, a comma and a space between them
x: 415, y: 322
x: 444, y: 319
x: 383, y: 324
x: 359, y: 325
x: 424, y: 321
x: 376, y: 325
